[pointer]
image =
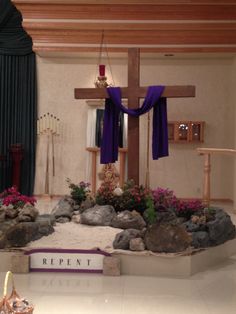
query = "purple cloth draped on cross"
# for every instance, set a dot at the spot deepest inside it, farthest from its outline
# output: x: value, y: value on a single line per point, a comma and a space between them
x: 113, y: 106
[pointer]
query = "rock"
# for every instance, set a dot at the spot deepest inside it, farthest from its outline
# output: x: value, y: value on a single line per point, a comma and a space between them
x: 2, y: 215
x: 64, y: 208
x: 98, y: 215
x: 190, y: 226
x: 11, y: 212
x: 3, y: 240
x: 221, y: 228
x: 111, y: 266
x: 167, y: 238
x: 136, y: 244
x: 22, y: 233
x: 123, y: 238
x: 167, y: 216
x: 76, y: 219
x: 22, y: 218
x: 88, y: 203
x: 128, y: 220
x: 62, y: 220
x: 200, y: 239
x: 27, y: 213
x: 48, y: 217
x: 45, y: 225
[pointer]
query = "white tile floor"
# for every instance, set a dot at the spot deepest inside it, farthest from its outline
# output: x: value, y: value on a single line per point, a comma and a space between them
x: 210, y: 292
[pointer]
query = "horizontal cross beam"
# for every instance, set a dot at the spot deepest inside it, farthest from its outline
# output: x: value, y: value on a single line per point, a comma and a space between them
x: 169, y: 92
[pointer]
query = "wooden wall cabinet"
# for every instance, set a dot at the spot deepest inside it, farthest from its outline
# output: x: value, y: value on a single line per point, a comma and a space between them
x: 186, y: 131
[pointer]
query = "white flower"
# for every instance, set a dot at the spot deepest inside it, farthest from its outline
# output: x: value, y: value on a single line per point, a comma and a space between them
x: 118, y: 192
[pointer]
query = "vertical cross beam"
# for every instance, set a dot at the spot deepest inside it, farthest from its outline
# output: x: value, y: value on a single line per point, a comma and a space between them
x: 133, y: 123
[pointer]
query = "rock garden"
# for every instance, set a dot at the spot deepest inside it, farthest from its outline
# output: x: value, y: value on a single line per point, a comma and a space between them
x: 154, y: 220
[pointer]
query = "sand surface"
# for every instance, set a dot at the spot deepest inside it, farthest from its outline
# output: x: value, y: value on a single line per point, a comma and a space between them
x: 77, y: 236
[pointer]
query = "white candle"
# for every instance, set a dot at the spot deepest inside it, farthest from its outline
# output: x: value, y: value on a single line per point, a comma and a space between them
x: 44, y: 123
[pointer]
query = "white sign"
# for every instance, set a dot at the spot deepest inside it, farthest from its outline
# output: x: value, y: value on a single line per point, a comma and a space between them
x: 62, y: 260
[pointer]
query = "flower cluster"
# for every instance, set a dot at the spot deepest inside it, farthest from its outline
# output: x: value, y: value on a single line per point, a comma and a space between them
x: 164, y: 198
x: 188, y: 208
x: 79, y: 192
x: 12, y: 197
x: 133, y: 197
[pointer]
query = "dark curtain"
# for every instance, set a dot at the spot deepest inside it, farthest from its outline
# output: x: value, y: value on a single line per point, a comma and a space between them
x: 99, y: 127
x: 18, y: 97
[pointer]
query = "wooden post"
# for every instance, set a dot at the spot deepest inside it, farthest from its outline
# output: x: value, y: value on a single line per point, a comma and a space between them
x: 123, y: 152
x: 94, y: 171
x: 207, y: 173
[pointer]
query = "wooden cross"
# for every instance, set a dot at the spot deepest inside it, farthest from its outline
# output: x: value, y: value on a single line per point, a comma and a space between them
x: 134, y: 92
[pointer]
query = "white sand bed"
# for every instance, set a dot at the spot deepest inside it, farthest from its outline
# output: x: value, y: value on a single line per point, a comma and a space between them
x: 77, y: 236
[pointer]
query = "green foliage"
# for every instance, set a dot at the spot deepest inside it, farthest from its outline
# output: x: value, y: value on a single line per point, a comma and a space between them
x: 150, y: 213
x: 79, y: 192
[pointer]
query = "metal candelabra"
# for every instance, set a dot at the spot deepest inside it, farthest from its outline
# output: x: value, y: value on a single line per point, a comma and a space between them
x: 48, y: 125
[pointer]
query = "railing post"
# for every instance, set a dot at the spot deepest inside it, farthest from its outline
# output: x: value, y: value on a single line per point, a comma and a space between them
x: 207, y: 173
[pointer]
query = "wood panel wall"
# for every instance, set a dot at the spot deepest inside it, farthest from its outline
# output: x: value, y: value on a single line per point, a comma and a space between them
x: 155, y: 26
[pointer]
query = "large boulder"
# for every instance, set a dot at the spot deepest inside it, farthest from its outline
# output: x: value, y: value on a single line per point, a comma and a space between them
x: 122, y: 239
x: 22, y: 233
x: 98, y: 215
x: 167, y: 238
x: 64, y: 208
x: 45, y: 223
x: 128, y: 220
x: 221, y: 228
x: 136, y: 244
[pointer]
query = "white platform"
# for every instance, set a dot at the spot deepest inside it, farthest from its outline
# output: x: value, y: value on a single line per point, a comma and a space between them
x: 156, y: 265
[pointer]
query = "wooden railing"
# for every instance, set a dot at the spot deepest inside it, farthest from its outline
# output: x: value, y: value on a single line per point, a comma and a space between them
x: 122, y: 155
x: 207, y: 152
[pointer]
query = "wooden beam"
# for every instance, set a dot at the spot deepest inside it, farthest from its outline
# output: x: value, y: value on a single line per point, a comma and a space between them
x: 170, y: 91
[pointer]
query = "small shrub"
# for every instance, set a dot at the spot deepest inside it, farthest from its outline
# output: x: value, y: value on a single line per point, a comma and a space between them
x: 188, y: 208
x: 79, y: 192
x: 164, y: 199
x: 150, y: 213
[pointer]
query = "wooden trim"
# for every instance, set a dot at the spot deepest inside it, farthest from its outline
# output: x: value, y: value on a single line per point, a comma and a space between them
x: 223, y: 151
x: 128, y: 11
x: 169, y: 2
x: 123, y: 26
x: 59, y: 50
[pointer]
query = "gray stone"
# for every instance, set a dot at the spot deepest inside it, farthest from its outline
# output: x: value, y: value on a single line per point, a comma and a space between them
x: 62, y: 220
x: 64, y: 208
x: 22, y: 218
x: 190, y: 226
x: 45, y: 225
x: 221, y: 228
x: 3, y: 240
x: 22, y: 233
x: 88, y: 203
x: 2, y: 215
x: 128, y: 220
x: 122, y: 239
x: 200, y: 239
x: 29, y: 211
x: 111, y: 266
x: 76, y: 219
x: 11, y: 212
x: 98, y: 215
x: 19, y: 264
x: 48, y: 217
x: 136, y: 244
x: 167, y: 238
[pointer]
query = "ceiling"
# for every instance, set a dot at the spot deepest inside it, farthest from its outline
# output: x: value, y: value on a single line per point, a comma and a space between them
x: 156, y: 27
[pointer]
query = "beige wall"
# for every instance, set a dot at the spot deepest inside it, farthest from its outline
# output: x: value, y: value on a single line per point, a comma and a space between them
x: 183, y: 170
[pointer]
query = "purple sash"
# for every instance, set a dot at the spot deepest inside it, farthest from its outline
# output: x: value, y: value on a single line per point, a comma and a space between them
x: 113, y: 106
